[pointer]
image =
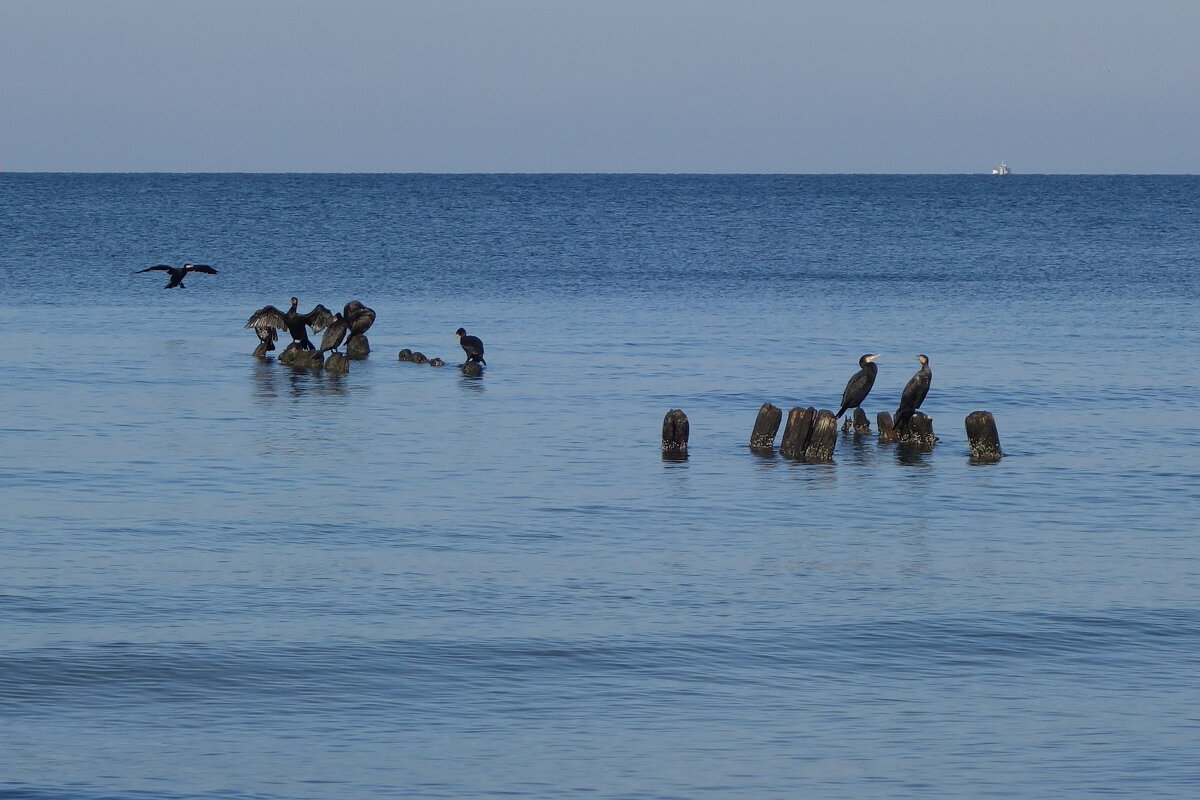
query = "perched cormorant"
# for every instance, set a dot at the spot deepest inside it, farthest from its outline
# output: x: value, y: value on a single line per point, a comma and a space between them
x: 178, y: 273
x: 293, y: 321
x: 267, y: 337
x: 859, y: 385
x: 914, y: 392
x: 358, y: 317
x: 471, y: 345
x: 334, y: 334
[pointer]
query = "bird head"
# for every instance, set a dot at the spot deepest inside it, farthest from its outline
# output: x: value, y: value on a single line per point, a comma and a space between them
x: 461, y: 332
x: 924, y: 359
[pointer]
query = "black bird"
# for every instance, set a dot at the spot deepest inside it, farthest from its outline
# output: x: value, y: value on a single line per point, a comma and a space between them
x: 914, y: 392
x: 859, y: 385
x: 267, y: 337
x: 471, y: 345
x: 178, y: 273
x: 334, y: 334
x: 358, y: 317
x: 293, y: 321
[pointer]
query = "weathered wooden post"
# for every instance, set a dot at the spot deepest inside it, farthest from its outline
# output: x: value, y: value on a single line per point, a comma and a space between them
x: 337, y: 362
x: 861, y: 423
x: 675, y: 431
x: 436, y: 362
x: 823, y: 438
x: 404, y: 355
x: 472, y: 368
x: 796, y: 433
x: 765, y: 427
x: 917, y: 430
x: 295, y: 356
x: 357, y: 346
x: 887, y: 431
x: 983, y: 437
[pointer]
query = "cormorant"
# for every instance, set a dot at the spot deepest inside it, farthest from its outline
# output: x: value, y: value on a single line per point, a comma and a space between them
x: 914, y: 392
x: 178, y: 273
x: 334, y: 334
x: 293, y: 321
x: 358, y: 317
x: 859, y: 385
x: 267, y: 337
x: 471, y: 345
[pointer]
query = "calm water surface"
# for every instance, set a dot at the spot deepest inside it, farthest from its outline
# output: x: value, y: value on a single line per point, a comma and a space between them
x: 225, y: 578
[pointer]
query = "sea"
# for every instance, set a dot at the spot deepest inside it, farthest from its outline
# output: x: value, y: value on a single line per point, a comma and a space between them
x: 226, y: 578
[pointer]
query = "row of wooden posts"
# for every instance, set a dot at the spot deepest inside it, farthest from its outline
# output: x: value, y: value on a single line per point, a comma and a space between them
x: 811, y: 435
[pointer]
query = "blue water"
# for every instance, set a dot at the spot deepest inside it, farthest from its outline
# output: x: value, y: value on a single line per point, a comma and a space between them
x: 221, y: 577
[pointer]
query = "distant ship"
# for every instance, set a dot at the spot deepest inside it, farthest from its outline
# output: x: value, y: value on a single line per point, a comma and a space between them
x: 1001, y: 170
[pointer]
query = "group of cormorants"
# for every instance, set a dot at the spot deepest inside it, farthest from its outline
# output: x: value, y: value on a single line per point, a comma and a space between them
x: 860, y: 383
x: 354, y: 319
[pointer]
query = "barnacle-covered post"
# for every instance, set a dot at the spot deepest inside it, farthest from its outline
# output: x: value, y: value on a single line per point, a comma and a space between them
x: 765, y: 427
x: 675, y: 433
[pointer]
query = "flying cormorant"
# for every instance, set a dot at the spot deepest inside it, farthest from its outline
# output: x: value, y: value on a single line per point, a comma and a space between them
x: 293, y: 321
x: 859, y: 385
x: 914, y: 392
x: 471, y: 345
x: 178, y: 273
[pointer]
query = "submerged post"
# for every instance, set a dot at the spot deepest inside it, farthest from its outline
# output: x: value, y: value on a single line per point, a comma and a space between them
x: 861, y: 424
x: 675, y: 432
x: 823, y: 438
x: 797, y: 432
x: 357, y: 346
x: 765, y: 427
x: 887, y: 431
x: 983, y: 437
x: 337, y: 362
x: 917, y: 430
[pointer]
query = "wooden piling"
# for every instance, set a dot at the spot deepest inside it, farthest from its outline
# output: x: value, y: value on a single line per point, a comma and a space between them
x: 472, y: 368
x: 861, y: 423
x: 917, y: 430
x: 765, y: 427
x: 404, y: 355
x: 295, y: 356
x: 983, y: 437
x: 675, y: 432
x: 436, y: 362
x: 823, y: 439
x: 357, y: 346
x: 337, y: 362
x: 887, y: 431
x: 796, y: 433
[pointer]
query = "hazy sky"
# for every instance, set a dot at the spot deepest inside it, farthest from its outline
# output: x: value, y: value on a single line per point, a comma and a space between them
x: 1062, y: 86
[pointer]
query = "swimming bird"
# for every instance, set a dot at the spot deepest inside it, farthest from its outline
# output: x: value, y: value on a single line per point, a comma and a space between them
x: 292, y: 321
x: 914, y: 392
x: 471, y: 345
x: 358, y: 317
x: 178, y: 273
x: 860, y: 383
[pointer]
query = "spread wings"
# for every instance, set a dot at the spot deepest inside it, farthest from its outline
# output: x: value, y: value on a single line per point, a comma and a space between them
x: 268, y: 317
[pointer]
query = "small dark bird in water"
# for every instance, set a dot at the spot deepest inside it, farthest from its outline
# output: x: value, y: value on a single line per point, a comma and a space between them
x: 334, y: 334
x: 914, y: 392
x: 178, y: 273
x: 358, y: 317
x: 292, y: 321
x: 471, y: 345
x: 859, y: 385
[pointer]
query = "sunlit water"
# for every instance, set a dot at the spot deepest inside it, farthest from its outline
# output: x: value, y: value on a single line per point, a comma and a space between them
x: 223, y: 577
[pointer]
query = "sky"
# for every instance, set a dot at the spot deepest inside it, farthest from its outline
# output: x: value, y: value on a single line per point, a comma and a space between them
x: 665, y: 86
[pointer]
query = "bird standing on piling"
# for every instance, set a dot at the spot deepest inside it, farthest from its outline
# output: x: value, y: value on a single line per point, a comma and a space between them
x: 471, y: 345
x: 914, y: 391
x: 292, y: 321
x: 178, y: 273
x: 859, y: 385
